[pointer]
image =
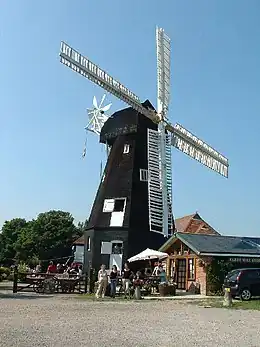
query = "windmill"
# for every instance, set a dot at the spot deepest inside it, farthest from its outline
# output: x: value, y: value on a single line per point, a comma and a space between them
x: 140, y: 138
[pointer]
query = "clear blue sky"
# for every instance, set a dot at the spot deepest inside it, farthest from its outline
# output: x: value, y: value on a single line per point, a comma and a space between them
x: 215, y: 93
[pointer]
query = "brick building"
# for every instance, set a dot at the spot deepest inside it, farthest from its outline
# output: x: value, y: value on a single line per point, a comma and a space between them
x: 196, y: 244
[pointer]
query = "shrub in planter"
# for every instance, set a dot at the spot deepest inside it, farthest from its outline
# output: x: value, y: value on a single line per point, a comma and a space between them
x: 163, y: 289
x: 167, y: 289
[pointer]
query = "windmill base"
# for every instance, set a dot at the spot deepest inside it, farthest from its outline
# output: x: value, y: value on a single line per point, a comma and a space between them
x: 114, y: 246
x: 109, y: 247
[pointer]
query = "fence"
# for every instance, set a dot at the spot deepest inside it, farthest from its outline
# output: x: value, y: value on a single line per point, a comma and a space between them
x: 53, y: 283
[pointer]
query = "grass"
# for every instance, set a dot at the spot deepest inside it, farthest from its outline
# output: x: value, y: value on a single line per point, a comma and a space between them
x: 236, y: 304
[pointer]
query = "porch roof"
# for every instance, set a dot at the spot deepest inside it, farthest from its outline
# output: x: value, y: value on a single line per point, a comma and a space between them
x: 217, y: 245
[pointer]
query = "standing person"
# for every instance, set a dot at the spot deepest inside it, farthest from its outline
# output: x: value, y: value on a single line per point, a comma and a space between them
x: 127, y: 275
x: 113, y: 281
x: 102, y: 282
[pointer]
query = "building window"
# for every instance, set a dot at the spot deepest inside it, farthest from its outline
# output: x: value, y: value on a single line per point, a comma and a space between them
x: 143, y: 175
x: 88, y: 243
x: 117, y: 248
x: 126, y: 148
x: 191, y: 269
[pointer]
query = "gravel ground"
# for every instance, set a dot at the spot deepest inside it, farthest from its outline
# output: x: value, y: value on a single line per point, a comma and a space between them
x: 29, y: 321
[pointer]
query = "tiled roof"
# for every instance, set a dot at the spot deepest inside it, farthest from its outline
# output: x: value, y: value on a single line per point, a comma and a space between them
x: 220, y: 244
x: 182, y: 223
x: 194, y: 224
x: 79, y: 241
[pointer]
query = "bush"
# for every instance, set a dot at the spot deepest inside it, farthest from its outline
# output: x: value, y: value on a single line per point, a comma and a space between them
x: 22, y: 272
x: 10, y: 277
x: 22, y: 267
x: 4, y: 273
x: 216, y: 272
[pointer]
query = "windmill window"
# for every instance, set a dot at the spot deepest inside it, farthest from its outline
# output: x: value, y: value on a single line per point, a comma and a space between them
x: 126, y: 148
x: 143, y: 175
x: 119, y: 205
x: 114, y: 205
x: 88, y: 243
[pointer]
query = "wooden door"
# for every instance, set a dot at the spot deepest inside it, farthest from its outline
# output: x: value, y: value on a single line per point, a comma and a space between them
x: 181, y: 274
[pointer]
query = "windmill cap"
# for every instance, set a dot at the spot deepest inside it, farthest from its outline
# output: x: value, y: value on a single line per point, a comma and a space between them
x: 124, y: 122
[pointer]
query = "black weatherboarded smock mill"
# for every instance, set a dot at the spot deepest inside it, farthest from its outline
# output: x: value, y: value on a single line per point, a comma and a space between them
x: 118, y: 227
x: 125, y: 210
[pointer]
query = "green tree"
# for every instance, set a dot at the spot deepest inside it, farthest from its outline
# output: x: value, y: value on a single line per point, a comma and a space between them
x: 49, y: 236
x: 82, y: 226
x: 26, y: 244
x: 8, y: 238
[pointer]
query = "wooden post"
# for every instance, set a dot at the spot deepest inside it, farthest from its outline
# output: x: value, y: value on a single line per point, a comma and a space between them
x: 86, y: 283
x: 88, y: 278
x: 15, y: 281
x: 92, y: 281
x: 227, y: 302
x: 137, y: 294
x: 168, y: 267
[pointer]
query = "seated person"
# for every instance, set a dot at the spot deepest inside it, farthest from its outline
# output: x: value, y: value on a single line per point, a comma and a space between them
x: 163, y: 276
x: 51, y: 268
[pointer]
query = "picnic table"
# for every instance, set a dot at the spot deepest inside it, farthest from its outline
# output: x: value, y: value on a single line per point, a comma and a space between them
x: 53, y: 283
x: 41, y: 283
x: 68, y: 284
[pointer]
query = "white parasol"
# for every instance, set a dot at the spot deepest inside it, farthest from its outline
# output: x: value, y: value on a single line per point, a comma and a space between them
x: 148, y: 254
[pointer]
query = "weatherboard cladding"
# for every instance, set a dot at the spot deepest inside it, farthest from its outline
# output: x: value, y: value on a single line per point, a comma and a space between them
x: 122, y: 180
x: 117, y: 182
x: 220, y: 244
x: 121, y: 174
x: 181, y: 224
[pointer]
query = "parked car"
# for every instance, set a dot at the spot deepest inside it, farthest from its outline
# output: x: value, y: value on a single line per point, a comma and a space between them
x: 243, y: 283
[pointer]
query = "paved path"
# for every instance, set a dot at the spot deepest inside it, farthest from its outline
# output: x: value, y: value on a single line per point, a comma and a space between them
x: 29, y: 321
